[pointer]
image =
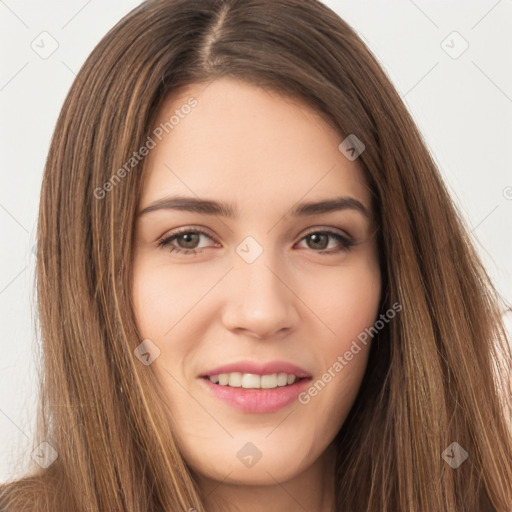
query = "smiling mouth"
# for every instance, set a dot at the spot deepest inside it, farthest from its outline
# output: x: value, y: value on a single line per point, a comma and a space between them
x: 254, y: 381
x: 254, y: 393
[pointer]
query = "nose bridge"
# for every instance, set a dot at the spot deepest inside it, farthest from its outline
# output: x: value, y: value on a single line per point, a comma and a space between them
x: 259, y: 300
x: 258, y: 270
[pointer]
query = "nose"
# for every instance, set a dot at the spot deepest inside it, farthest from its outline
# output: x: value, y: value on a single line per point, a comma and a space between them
x: 260, y: 301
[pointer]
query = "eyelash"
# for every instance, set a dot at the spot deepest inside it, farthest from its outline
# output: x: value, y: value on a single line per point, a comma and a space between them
x: 164, y: 242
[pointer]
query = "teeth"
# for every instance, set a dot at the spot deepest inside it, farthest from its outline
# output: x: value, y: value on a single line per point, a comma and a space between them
x: 235, y: 379
x: 253, y: 381
x: 250, y: 381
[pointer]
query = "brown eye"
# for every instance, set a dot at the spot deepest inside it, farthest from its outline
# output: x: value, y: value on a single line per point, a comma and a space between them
x: 188, y: 240
x: 319, y: 242
x: 185, y: 241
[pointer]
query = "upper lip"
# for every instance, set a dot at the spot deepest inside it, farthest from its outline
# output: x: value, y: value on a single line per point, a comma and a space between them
x: 259, y: 368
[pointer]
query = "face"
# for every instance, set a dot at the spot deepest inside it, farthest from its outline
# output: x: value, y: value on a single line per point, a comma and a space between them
x: 252, y: 304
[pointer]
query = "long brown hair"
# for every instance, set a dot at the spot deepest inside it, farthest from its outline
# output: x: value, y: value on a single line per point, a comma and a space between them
x: 439, y: 373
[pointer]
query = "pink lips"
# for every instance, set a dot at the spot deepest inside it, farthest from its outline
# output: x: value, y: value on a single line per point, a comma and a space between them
x: 258, y: 400
x: 259, y: 369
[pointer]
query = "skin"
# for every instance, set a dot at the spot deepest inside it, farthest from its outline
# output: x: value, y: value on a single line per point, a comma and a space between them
x: 262, y: 152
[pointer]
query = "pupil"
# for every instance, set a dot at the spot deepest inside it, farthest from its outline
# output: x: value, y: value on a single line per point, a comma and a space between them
x: 315, y: 237
x: 186, y: 239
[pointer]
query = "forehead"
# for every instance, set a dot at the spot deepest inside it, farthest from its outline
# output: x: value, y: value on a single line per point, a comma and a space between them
x: 248, y: 145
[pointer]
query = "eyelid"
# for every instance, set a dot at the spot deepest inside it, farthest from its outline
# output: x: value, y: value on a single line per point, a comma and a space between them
x: 329, y: 229
x: 346, y: 240
x: 206, y: 231
x: 187, y: 229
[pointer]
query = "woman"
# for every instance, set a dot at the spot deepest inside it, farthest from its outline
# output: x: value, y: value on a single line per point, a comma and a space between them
x: 255, y: 292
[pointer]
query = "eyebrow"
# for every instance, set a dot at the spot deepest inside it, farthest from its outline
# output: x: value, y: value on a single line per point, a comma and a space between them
x: 210, y: 207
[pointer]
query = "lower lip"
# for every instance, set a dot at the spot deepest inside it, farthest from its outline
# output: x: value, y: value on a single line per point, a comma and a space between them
x: 258, y: 400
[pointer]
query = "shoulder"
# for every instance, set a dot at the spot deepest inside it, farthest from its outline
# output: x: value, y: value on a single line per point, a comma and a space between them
x: 29, y: 493
x: 43, y: 491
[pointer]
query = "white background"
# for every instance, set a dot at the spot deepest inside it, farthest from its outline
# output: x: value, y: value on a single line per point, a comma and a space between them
x: 463, y: 107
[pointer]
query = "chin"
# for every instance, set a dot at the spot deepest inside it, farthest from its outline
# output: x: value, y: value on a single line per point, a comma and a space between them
x: 251, y: 460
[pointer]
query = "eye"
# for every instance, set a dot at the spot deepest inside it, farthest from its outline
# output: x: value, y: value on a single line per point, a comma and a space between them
x: 188, y: 239
x: 320, y: 240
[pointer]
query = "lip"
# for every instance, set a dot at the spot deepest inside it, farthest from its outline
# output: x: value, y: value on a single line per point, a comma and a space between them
x: 256, y: 400
x: 259, y: 369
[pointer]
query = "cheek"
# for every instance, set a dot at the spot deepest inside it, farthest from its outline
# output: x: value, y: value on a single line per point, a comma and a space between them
x: 162, y: 296
x: 349, y: 307
x: 357, y: 301
x: 173, y: 309
x: 345, y: 301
